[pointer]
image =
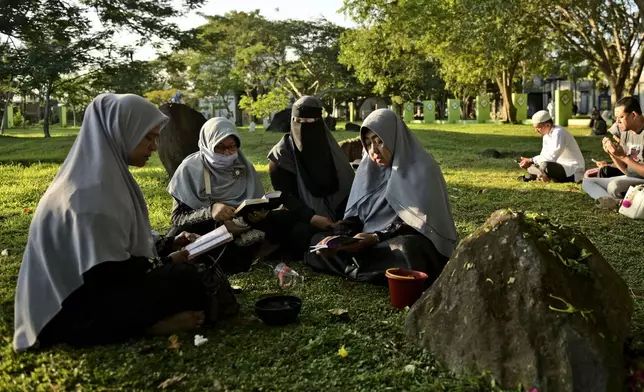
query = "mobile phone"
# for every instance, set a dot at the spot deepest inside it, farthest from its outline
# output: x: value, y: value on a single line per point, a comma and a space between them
x: 611, y: 137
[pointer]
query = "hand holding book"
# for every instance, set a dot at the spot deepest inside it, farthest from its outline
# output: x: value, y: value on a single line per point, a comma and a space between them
x: 209, y: 241
x: 183, y: 239
x: 340, y: 243
x: 269, y: 201
x: 222, y: 212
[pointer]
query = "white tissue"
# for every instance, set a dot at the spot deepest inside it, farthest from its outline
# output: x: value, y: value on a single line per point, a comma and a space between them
x: 199, y: 340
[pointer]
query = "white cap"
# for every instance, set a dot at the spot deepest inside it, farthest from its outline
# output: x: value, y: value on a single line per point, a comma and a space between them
x: 540, y: 117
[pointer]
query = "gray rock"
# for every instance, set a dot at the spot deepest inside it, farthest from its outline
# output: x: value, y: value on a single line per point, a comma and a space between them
x: 349, y: 126
x: 531, y: 303
x: 491, y: 153
x: 180, y: 137
x: 352, y: 148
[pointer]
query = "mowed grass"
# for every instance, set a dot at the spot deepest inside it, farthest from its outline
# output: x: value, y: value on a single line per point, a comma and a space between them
x: 244, y: 354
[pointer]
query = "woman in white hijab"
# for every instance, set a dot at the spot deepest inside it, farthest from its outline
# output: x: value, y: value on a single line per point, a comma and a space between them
x: 398, y: 206
x: 210, y: 184
x: 91, y: 271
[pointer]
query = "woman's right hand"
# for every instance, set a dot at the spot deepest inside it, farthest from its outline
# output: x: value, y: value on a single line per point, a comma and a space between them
x: 235, y: 230
x: 180, y: 256
x: 322, y: 222
x: 222, y: 212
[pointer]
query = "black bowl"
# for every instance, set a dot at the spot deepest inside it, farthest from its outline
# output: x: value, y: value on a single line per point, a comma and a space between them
x: 279, y: 309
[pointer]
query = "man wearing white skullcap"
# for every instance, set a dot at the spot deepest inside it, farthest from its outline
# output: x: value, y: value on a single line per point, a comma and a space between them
x: 560, y: 159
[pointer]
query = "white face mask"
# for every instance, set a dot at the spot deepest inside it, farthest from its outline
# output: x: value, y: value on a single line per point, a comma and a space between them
x: 224, y: 161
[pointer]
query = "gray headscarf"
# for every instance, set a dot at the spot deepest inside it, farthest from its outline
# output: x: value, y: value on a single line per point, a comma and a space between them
x: 91, y: 213
x: 412, y: 188
x: 229, y: 185
x: 290, y: 152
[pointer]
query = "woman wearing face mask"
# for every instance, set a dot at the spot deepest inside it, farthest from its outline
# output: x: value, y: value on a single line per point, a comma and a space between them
x: 91, y: 271
x: 210, y: 184
x: 312, y: 172
x: 398, y: 206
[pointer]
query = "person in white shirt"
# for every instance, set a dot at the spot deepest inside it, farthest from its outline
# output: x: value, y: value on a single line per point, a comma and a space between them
x: 627, y: 156
x: 560, y: 159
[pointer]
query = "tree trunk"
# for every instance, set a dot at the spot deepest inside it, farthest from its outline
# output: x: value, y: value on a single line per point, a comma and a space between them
x: 635, y: 76
x: 616, y: 91
x: 504, y: 81
x: 24, y: 111
x: 47, y: 109
x: 4, y: 110
x: 73, y: 114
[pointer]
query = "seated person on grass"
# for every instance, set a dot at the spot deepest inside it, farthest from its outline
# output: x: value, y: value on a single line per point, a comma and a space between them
x: 626, y: 156
x: 398, y: 207
x: 560, y: 159
x: 208, y: 187
x: 91, y: 271
x: 605, y: 169
x: 313, y: 174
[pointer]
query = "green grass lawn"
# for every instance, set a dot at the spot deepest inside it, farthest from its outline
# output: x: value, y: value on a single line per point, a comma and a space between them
x: 244, y: 354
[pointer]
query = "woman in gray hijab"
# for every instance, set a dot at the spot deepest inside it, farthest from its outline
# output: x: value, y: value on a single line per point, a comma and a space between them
x: 207, y: 188
x: 398, y: 206
x: 312, y: 172
x: 91, y: 271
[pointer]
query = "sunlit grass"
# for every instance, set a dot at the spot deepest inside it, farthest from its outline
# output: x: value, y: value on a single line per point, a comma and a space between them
x: 246, y: 355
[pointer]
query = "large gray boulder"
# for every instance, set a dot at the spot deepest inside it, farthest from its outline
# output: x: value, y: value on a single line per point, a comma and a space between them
x: 180, y: 137
x: 531, y: 303
x: 352, y: 148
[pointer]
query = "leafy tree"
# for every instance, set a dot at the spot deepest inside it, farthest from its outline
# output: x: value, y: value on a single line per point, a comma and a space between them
x: 461, y: 34
x: 314, y: 67
x: 52, y: 38
x: 159, y: 97
x: 267, y: 61
x: 391, y: 62
x: 607, y: 34
x: 136, y: 77
x: 76, y: 93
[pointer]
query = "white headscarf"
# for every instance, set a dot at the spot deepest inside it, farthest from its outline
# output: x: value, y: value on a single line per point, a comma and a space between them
x: 231, y: 182
x: 412, y: 188
x: 91, y: 213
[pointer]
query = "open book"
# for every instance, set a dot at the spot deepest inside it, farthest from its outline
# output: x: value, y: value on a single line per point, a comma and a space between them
x: 334, y: 242
x: 269, y: 201
x: 209, y: 241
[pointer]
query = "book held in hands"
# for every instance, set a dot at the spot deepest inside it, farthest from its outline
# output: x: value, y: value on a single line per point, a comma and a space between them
x: 209, y: 241
x: 335, y: 242
x: 269, y: 201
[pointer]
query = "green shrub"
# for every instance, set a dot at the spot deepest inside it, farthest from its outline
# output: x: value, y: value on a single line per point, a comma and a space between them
x: 18, y: 119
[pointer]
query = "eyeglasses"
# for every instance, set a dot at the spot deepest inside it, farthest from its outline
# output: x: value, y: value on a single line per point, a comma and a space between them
x: 377, y: 144
x: 222, y: 149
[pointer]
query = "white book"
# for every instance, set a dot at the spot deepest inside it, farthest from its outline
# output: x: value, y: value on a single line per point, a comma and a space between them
x: 209, y: 241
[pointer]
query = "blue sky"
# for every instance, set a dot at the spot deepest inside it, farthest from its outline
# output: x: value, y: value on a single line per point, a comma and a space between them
x: 270, y: 9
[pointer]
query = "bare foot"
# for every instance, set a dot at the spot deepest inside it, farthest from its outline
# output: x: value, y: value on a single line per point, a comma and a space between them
x: 183, y: 321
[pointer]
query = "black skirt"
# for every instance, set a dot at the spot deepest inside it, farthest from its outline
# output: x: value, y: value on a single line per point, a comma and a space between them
x: 406, y: 251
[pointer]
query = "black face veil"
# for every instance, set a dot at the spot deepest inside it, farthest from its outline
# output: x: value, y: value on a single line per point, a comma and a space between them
x: 312, y: 149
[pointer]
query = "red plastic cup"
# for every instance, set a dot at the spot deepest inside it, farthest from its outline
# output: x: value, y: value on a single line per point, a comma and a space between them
x: 405, y: 286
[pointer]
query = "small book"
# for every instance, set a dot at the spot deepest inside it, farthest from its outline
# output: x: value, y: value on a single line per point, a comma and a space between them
x: 209, y: 241
x: 335, y: 242
x: 269, y: 201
